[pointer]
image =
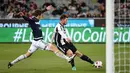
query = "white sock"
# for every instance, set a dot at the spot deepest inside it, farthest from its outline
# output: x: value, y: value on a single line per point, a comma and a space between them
x: 61, y: 55
x: 21, y: 57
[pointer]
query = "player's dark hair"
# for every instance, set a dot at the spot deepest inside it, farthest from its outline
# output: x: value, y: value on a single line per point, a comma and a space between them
x: 37, y: 12
x: 63, y: 16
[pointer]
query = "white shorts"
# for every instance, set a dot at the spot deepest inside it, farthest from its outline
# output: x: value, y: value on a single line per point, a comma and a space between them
x: 38, y: 45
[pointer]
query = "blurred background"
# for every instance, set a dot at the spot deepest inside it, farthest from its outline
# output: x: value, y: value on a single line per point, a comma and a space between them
x: 73, y: 8
x: 86, y: 26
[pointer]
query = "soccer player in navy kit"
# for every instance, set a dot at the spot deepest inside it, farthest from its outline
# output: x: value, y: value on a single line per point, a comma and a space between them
x: 65, y: 44
x: 38, y: 42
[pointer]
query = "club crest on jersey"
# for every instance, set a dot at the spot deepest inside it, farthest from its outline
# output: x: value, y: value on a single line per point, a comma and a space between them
x: 37, y: 22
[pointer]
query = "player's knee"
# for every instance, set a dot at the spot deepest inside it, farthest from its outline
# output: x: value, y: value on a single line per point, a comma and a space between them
x: 27, y: 55
x: 52, y: 48
x: 70, y: 53
x: 50, y: 45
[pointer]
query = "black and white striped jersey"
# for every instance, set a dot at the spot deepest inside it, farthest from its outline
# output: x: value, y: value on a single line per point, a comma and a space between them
x: 60, y: 35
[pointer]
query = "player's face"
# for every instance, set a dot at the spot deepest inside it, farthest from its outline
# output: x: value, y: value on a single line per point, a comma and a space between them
x: 65, y: 21
x: 40, y: 17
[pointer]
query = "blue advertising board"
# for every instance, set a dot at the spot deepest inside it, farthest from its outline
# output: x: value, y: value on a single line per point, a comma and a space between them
x: 71, y: 22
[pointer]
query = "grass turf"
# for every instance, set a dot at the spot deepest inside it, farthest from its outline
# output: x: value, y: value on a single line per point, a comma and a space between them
x: 47, y: 62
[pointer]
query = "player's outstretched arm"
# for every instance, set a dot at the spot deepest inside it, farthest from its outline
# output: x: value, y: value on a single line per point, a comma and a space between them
x: 27, y: 18
x: 22, y: 15
x: 47, y: 8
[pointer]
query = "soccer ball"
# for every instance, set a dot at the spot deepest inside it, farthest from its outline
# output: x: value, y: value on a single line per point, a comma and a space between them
x: 98, y: 64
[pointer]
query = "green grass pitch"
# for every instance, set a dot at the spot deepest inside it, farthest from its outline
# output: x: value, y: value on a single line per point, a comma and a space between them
x: 47, y: 62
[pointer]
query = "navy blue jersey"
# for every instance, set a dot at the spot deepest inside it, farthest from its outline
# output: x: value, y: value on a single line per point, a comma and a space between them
x: 35, y: 26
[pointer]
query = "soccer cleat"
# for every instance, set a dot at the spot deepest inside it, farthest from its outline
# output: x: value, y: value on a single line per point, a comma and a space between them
x: 93, y: 65
x: 9, y: 65
x: 74, y: 68
x: 70, y: 58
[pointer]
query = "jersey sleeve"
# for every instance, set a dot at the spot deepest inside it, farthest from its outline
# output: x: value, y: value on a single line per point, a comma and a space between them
x: 30, y: 19
x: 26, y: 18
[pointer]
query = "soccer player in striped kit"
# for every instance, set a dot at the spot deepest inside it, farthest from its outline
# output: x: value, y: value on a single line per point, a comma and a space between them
x: 64, y: 43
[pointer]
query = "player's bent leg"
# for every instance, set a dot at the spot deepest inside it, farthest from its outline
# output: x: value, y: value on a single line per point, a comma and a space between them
x: 21, y: 57
x: 84, y: 57
x: 31, y: 50
x: 58, y: 53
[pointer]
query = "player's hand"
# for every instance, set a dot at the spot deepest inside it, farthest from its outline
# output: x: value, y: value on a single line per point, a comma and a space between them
x: 68, y: 40
x: 49, y: 7
x: 21, y: 13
